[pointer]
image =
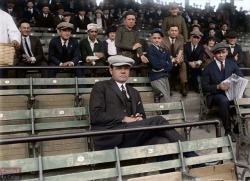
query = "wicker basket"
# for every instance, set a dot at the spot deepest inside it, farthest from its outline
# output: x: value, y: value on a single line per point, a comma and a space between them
x: 7, y: 53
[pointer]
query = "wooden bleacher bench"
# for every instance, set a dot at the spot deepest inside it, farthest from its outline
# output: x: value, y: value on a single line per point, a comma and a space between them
x: 110, y: 163
x: 243, y: 117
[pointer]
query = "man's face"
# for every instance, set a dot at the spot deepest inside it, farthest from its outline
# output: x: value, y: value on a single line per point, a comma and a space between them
x: 221, y: 55
x: 65, y: 33
x: 45, y: 10
x: 174, y: 11
x: 92, y: 33
x: 195, y: 39
x: 25, y: 29
x: 106, y: 12
x: 231, y: 41
x: 224, y: 27
x: 173, y: 32
x: 112, y: 35
x: 156, y: 39
x: 60, y: 11
x: 129, y: 21
x: 82, y: 13
x: 30, y: 5
x: 66, y: 18
x: 120, y: 74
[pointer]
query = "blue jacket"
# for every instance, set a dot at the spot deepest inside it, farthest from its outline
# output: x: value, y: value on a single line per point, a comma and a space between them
x: 158, y: 60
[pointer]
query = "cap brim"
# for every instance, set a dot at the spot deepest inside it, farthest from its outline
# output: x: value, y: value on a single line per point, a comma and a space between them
x: 120, y: 64
x: 65, y: 28
x: 219, y: 49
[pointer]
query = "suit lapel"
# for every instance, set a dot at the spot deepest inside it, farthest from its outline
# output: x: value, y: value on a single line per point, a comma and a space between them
x: 216, y: 70
x: 134, y: 106
x: 117, y: 90
x: 32, y: 44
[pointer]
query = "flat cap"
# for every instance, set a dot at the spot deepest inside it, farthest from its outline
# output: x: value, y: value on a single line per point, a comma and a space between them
x: 219, y: 46
x: 119, y: 60
x: 66, y: 13
x: 173, y: 5
x: 196, y: 33
x: 98, y: 11
x: 157, y: 30
x: 232, y: 34
x: 91, y: 25
x: 65, y: 25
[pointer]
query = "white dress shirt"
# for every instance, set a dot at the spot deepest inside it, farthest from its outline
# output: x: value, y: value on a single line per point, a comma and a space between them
x: 8, y: 29
x: 111, y: 47
x: 33, y: 59
x: 219, y: 64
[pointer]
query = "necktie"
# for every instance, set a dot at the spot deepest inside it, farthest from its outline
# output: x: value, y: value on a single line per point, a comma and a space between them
x: 64, y: 45
x: 27, y: 47
x: 160, y: 48
x: 193, y: 48
x: 124, y: 93
x: 64, y: 52
x: 172, y: 48
x: 232, y: 49
x: 222, y: 68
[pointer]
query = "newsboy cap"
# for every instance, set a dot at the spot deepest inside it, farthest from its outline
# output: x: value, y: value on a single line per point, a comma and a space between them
x: 157, y: 30
x: 173, y: 5
x: 91, y: 25
x: 196, y: 33
x: 98, y: 11
x: 232, y: 34
x: 119, y: 60
x: 219, y: 46
x: 65, y: 25
x: 66, y: 13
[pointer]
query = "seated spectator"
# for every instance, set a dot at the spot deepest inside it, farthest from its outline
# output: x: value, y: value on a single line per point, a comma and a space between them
x: 91, y: 16
x: 30, y: 52
x: 30, y: 13
x: 116, y: 105
x: 45, y: 19
x: 235, y: 52
x: 100, y: 21
x: 82, y: 20
x: 64, y: 50
x: 92, y: 52
x: 193, y: 54
x: 208, y: 56
x: 59, y: 16
x: 109, y: 20
x: 212, y: 77
x: 109, y: 45
x: 222, y: 33
x: 12, y: 10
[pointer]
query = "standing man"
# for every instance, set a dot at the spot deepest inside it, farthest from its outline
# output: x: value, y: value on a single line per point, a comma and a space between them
x: 30, y: 52
x: 64, y: 50
x: 176, y: 19
x: 116, y: 105
x: 193, y: 55
x: 127, y: 39
x: 175, y: 47
x: 9, y: 34
x: 92, y: 52
x: 213, y: 76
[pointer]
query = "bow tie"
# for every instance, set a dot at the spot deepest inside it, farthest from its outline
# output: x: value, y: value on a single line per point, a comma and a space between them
x: 232, y: 46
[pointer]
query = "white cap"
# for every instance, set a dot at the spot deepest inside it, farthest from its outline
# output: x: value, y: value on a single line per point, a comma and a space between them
x: 91, y: 26
x: 119, y: 60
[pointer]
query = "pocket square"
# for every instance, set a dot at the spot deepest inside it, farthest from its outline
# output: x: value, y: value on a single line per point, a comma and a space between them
x: 139, y: 103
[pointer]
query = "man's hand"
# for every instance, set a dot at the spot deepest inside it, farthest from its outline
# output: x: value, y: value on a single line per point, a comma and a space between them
x: 137, y: 45
x: 236, y: 57
x: 99, y: 54
x: 133, y: 118
x: 15, y: 44
x: 144, y: 59
x: 192, y: 64
x: 223, y: 86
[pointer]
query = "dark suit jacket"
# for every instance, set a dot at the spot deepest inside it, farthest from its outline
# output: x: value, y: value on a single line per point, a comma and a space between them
x: 196, y: 55
x: 55, y: 51
x: 211, y: 77
x: 28, y: 15
x: 36, y: 49
x: 82, y: 24
x: 45, y: 22
x: 108, y: 108
x: 87, y: 51
x: 220, y: 35
x: 237, y: 50
x: 178, y: 45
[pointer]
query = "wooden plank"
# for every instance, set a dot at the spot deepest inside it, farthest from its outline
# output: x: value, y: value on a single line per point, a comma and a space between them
x: 174, y: 176
x: 17, y: 114
x: 15, y: 128
x: 61, y: 125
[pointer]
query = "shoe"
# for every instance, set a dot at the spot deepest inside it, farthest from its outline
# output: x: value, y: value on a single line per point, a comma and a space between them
x: 236, y: 129
x: 157, y: 97
x: 229, y: 132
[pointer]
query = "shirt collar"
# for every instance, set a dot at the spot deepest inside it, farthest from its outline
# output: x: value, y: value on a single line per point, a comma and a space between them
x: 62, y: 41
x: 92, y: 41
x: 120, y: 84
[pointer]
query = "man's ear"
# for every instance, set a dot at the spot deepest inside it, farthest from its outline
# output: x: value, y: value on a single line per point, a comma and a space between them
x: 110, y: 70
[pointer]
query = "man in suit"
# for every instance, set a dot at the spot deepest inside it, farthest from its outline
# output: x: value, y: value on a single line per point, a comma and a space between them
x: 30, y: 13
x: 116, y: 105
x: 175, y: 48
x: 193, y: 54
x: 64, y: 50
x: 59, y: 16
x: 212, y: 82
x: 109, y: 20
x: 92, y: 52
x: 45, y: 19
x: 82, y: 20
x: 222, y: 33
x: 235, y: 52
x: 30, y: 52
